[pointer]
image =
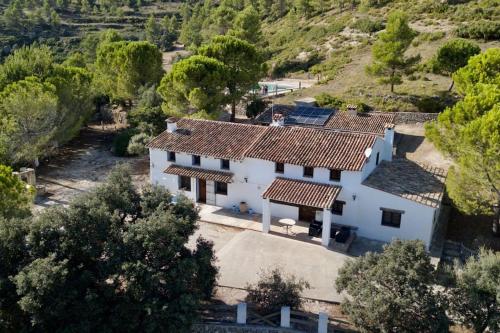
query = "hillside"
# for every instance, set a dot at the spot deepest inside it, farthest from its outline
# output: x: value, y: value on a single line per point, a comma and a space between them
x: 334, y: 48
x: 329, y: 41
x: 63, y: 25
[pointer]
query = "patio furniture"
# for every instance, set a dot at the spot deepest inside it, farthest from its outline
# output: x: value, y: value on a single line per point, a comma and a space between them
x: 339, y: 233
x: 287, y: 223
x: 315, y: 228
x: 342, y: 234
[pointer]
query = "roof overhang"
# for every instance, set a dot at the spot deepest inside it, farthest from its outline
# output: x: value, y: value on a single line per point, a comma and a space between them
x: 303, y: 193
x: 214, y: 175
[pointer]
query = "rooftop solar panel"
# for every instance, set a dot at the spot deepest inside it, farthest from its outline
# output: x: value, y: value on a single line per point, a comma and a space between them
x: 305, y: 115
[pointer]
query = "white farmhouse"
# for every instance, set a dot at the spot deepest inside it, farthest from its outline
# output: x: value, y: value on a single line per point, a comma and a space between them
x: 345, y: 173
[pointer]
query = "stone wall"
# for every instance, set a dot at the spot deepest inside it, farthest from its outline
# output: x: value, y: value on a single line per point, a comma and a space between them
x: 414, y: 117
x: 233, y: 328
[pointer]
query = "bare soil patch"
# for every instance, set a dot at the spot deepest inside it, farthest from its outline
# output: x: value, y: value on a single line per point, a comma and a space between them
x: 81, y: 165
x: 169, y: 57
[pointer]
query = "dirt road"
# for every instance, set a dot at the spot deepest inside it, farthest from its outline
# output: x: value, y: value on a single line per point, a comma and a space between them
x: 81, y: 165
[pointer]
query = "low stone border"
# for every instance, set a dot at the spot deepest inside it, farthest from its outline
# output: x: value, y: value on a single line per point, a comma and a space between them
x: 414, y: 117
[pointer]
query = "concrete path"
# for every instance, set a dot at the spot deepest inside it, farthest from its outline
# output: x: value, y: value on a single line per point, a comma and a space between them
x: 249, y: 252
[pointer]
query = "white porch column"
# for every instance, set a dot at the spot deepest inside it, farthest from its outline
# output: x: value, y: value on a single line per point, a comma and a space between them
x: 285, y: 316
x: 266, y: 215
x: 241, y: 314
x: 327, y: 220
x: 323, y: 323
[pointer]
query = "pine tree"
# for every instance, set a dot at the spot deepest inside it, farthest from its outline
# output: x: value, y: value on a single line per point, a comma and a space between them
x: 152, y: 30
x: 389, y: 50
x: 247, y: 26
x: 469, y: 132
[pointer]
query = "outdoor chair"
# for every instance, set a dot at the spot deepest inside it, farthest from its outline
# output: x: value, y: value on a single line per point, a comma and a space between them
x: 315, y: 228
x: 342, y: 234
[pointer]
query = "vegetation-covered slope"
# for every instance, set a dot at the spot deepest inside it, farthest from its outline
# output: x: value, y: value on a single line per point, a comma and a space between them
x: 335, y: 47
x: 63, y: 24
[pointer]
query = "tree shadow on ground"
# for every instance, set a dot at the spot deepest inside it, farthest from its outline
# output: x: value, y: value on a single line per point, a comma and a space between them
x: 474, y: 231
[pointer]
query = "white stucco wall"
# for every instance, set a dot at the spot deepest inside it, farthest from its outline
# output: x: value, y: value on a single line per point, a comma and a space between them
x: 380, y: 147
x: 284, y: 211
x: 416, y: 222
x: 362, y: 204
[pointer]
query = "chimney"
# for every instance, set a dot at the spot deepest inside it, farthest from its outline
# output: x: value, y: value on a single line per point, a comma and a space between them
x: 389, y: 134
x: 172, y: 124
x: 388, y: 142
x: 352, y: 110
x: 278, y: 120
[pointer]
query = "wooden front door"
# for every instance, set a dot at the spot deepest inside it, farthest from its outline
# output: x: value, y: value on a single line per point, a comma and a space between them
x: 306, y: 213
x: 202, y: 190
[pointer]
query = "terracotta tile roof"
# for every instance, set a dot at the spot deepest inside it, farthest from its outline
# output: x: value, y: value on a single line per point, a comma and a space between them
x: 299, y: 192
x: 294, y: 145
x: 371, y: 122
x: 209, y: 138
x: 410, y: 180
x: 218, y: 176
x: 312, y: 147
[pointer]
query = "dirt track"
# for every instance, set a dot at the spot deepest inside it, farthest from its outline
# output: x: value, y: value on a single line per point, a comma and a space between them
x: 81, y: 165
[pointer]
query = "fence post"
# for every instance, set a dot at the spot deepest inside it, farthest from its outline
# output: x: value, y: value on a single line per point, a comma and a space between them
x: 323, y: 323
x: 241, y: 315
x: 285, y: 316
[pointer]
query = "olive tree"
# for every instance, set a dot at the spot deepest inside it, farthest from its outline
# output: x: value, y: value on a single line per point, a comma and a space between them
x: 392, y: 291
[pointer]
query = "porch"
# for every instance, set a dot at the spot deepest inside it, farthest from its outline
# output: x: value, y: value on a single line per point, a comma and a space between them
x: 300, y: 231
x: 311, y: 198
x: 228, y: 217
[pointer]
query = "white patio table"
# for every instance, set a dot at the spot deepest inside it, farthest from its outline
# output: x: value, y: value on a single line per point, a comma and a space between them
x: 287, y: 223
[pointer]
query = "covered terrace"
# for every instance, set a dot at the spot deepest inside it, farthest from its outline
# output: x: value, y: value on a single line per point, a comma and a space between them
x: 308, y: 197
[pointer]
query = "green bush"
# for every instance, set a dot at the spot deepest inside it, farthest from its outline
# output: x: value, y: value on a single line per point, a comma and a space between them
x: 487, y: 30
x: 122, y: 140
x: 367, y: 26
x: 275, y: 290
x: 256, y: 107
x: 431, y: 104
x: 360, y: 106
x: 329, y: 101
x: 137, y: 144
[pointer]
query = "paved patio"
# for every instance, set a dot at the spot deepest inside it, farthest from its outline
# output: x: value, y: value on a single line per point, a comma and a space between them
x: 243, y: 251
x: 218, y: 215
x: 249, y: 253
x: 299, y: 232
